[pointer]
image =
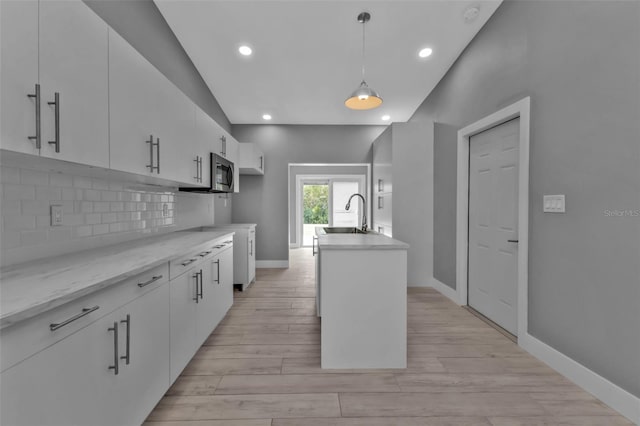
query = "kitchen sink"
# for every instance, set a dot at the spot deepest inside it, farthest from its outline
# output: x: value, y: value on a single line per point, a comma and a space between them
x: 343, y: 230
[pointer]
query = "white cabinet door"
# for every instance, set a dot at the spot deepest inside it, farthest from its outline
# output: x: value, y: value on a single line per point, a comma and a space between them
x: 251, y: 266
x: 207, y: 141
x: 132, y: 104
x: 207, y: 304
x: 18, y: 74
x: 251, y: 159
x: 225, y: 286
x: 145, y: 377
x: 183, y: 314
x: 74, y: 64
x: 174, y: 116
x: 67, y: 383
x: 233, y: 154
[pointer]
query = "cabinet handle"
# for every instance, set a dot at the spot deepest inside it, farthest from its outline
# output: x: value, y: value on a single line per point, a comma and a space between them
x: 196, y: 275
x: 205, y: 253
x: 200, y: 169
x: 380, y: 185
x: 126, y: 357
x: 150, y: 142
x: 56, y: 106
x: 512, y: 241
x: 261, y: 162
x: 152, y: 280
x: 313, y: 246
x: 114, y: 367
x: 158, y: 155
x: 217, y: 262
x: 197, y: 161
x: 185, y: 263
x: 251, y: 245
x: 85, y: 311
x: 201, y: 285
x: 38, y: 136
x: 224, y: 146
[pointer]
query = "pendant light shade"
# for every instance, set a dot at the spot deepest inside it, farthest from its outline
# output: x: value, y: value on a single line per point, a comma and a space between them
x: 363, y: 97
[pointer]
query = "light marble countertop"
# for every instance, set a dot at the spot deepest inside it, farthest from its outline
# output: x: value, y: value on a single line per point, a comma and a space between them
x: 369, y: 241
x: 32, y: 288
x: 229, y: 226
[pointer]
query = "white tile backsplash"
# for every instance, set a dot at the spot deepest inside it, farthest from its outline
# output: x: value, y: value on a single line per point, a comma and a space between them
x: 95, y: 212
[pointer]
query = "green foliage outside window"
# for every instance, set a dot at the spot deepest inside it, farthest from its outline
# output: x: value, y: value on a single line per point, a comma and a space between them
x: 316, y: 204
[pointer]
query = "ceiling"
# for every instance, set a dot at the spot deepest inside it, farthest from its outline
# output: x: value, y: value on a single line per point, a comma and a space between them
x: 307, y: 54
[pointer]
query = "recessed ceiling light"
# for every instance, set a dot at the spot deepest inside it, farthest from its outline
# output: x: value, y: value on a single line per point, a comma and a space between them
x: 386, y: 117
x: 426, y: 52
x: 471, y: 13
x: 245, y: 50
x: 266, y: 117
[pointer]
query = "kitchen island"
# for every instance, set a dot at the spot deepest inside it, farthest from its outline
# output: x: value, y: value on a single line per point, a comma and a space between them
x: 362, y: 290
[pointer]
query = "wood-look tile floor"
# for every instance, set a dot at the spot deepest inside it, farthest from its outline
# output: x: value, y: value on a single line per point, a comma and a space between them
x: 261, y: 367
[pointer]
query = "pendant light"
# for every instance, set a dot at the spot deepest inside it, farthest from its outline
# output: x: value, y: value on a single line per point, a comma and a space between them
x: 363, y: 97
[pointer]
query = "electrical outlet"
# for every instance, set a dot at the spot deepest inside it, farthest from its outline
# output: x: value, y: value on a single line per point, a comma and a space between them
x: 56, y: 215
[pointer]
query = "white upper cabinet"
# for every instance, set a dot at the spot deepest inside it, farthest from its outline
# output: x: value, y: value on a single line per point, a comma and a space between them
x: 74, y: 83
x: 232, y: 152
x: 60, y: 47
x: 152, y: 123
x: 208, y: 141
x: 18, y: 74
x: 251, y: 160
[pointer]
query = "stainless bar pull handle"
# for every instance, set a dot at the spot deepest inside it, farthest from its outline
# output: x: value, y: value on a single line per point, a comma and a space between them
x: 205, y: 253
x: 127, y: 354
x: 223, y: 151
x: 85, y: 311
x: 152, y: 280
x: 56, y: 105
x: 38, y: 136
x: 196, y: 275
x: 150, y: 142
x: 313, y: 246
x: 251, y: 245
x: 197, y: 176
x: 114, y: 367
x: 261, y: 162
x: 217, y: 262
x: 201, y: 294
x: 185, y: 263
x: 512, y: 241
x: 158, y: 155
x: 200, y: 167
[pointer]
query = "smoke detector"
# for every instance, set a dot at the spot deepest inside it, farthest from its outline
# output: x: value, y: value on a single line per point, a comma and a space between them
x: 471, y: 13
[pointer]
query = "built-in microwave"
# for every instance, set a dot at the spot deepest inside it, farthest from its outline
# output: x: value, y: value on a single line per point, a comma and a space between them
x: 222, y: 175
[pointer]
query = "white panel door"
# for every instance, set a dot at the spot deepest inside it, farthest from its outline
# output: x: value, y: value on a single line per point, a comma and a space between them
x: 493, y: 221
x: 18, y: 74
x: 74, y: 63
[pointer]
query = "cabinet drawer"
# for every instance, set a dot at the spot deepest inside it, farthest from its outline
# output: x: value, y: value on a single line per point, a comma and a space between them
x: 21, y: 340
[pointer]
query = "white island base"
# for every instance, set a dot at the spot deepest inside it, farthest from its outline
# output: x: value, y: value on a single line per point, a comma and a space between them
x: 364, y: 308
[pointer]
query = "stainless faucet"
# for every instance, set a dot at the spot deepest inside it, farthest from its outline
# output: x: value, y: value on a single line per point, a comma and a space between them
x: 364, y: 210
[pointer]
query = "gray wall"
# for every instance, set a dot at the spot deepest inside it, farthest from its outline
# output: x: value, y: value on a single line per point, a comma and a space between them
x: 444, y: 204
x: 263, y: 199
x: 321, y: 171
x: 143, y: 26
x: 580, y: 63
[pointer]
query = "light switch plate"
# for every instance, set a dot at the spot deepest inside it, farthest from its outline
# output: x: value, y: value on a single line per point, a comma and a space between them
x: 56, y: 215
x: 554, y: 203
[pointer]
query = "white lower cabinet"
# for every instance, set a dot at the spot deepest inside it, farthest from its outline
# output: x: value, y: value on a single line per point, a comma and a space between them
x: 200, y: 298
x: 108, y: 358
x: 107, y: 373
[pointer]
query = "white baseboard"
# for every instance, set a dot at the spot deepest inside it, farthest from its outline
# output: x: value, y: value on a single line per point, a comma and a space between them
x: 615, y: 397
x: 272, y: 263
x: 445, y: 290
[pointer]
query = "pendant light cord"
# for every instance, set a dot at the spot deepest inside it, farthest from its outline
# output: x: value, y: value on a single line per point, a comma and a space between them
x: 363, y: 42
